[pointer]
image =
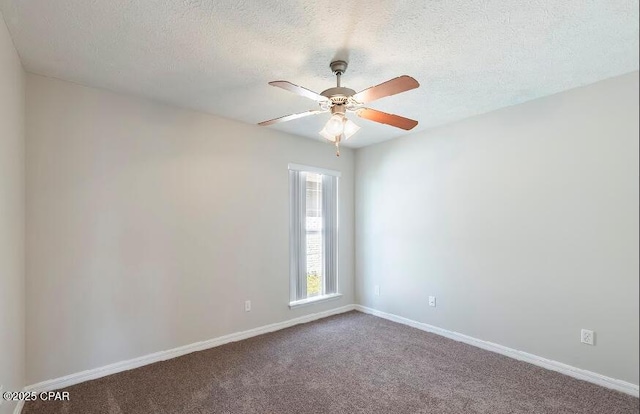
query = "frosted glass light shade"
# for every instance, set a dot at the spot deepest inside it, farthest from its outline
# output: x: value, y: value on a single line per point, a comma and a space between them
x: 338, y: 125
x: 350, y: 128
x: 327, y: 135
x: 335, y: 125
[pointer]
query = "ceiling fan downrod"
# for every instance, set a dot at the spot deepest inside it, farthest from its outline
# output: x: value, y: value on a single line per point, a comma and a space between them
x: 338, y: 67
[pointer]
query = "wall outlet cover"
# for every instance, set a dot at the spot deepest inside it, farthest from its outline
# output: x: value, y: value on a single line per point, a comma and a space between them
x: 432, y: 301
x: 247, y: 305
x: 376, y: 290
x: 587, y: 337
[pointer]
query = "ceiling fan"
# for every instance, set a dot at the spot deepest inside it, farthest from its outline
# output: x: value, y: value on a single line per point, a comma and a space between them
x: 340, y: 100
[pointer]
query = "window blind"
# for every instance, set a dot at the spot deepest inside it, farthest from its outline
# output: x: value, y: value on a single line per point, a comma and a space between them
x: 330, y: 232
x: 298, y: 235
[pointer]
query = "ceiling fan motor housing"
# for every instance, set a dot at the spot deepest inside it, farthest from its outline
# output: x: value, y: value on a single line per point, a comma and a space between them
x: 339, y: 93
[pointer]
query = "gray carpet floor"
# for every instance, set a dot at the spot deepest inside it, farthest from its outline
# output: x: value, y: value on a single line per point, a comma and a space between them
x: 349, y: 363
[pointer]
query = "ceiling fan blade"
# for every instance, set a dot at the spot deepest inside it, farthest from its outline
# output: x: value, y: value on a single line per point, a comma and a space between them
x: 385, y: 118
x: 289, y: 117
x: 391, y: 87
x: 298, y: 90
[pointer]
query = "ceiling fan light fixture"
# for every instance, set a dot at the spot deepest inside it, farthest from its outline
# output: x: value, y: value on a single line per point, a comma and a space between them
x: 327, y: 135
x: 332, y: 129
x: 350, y: 128
x: 335, y: 125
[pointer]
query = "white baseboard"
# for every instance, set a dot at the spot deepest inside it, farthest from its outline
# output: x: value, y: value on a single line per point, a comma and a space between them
x: 99, y: 372
x: 582, y: 374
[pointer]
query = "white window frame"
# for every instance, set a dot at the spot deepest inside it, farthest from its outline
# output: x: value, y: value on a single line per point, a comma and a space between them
x: 295, y: 249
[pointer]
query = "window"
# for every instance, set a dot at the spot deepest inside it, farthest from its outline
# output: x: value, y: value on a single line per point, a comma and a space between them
x: 313, y: 234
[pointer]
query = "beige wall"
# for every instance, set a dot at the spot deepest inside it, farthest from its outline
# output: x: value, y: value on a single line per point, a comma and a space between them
x: 148, y: 226
x: 12, y: 172
x: 522, y: 222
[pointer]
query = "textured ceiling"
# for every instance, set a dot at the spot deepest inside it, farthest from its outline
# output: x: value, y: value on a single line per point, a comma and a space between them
x: 470, y: 57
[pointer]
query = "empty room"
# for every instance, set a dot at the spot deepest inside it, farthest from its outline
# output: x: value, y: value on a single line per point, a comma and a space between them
x: 319, y: 207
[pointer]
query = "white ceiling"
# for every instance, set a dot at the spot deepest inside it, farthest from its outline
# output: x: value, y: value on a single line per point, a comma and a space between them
x: 470, y: 57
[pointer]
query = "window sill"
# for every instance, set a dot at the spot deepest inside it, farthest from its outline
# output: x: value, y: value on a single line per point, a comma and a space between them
x: 314, y: 300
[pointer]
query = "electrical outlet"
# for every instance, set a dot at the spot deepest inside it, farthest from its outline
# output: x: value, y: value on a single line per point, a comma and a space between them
x: 247, y: 305
x: 376, y: 290
x: 587, y: 337
x: 432, y: 301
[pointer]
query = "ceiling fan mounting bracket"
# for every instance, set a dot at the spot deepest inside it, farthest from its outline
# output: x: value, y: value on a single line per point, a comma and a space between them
x: 338, y: 67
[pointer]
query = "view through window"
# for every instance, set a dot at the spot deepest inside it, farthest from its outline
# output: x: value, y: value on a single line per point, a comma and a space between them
x: 314, y: 248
